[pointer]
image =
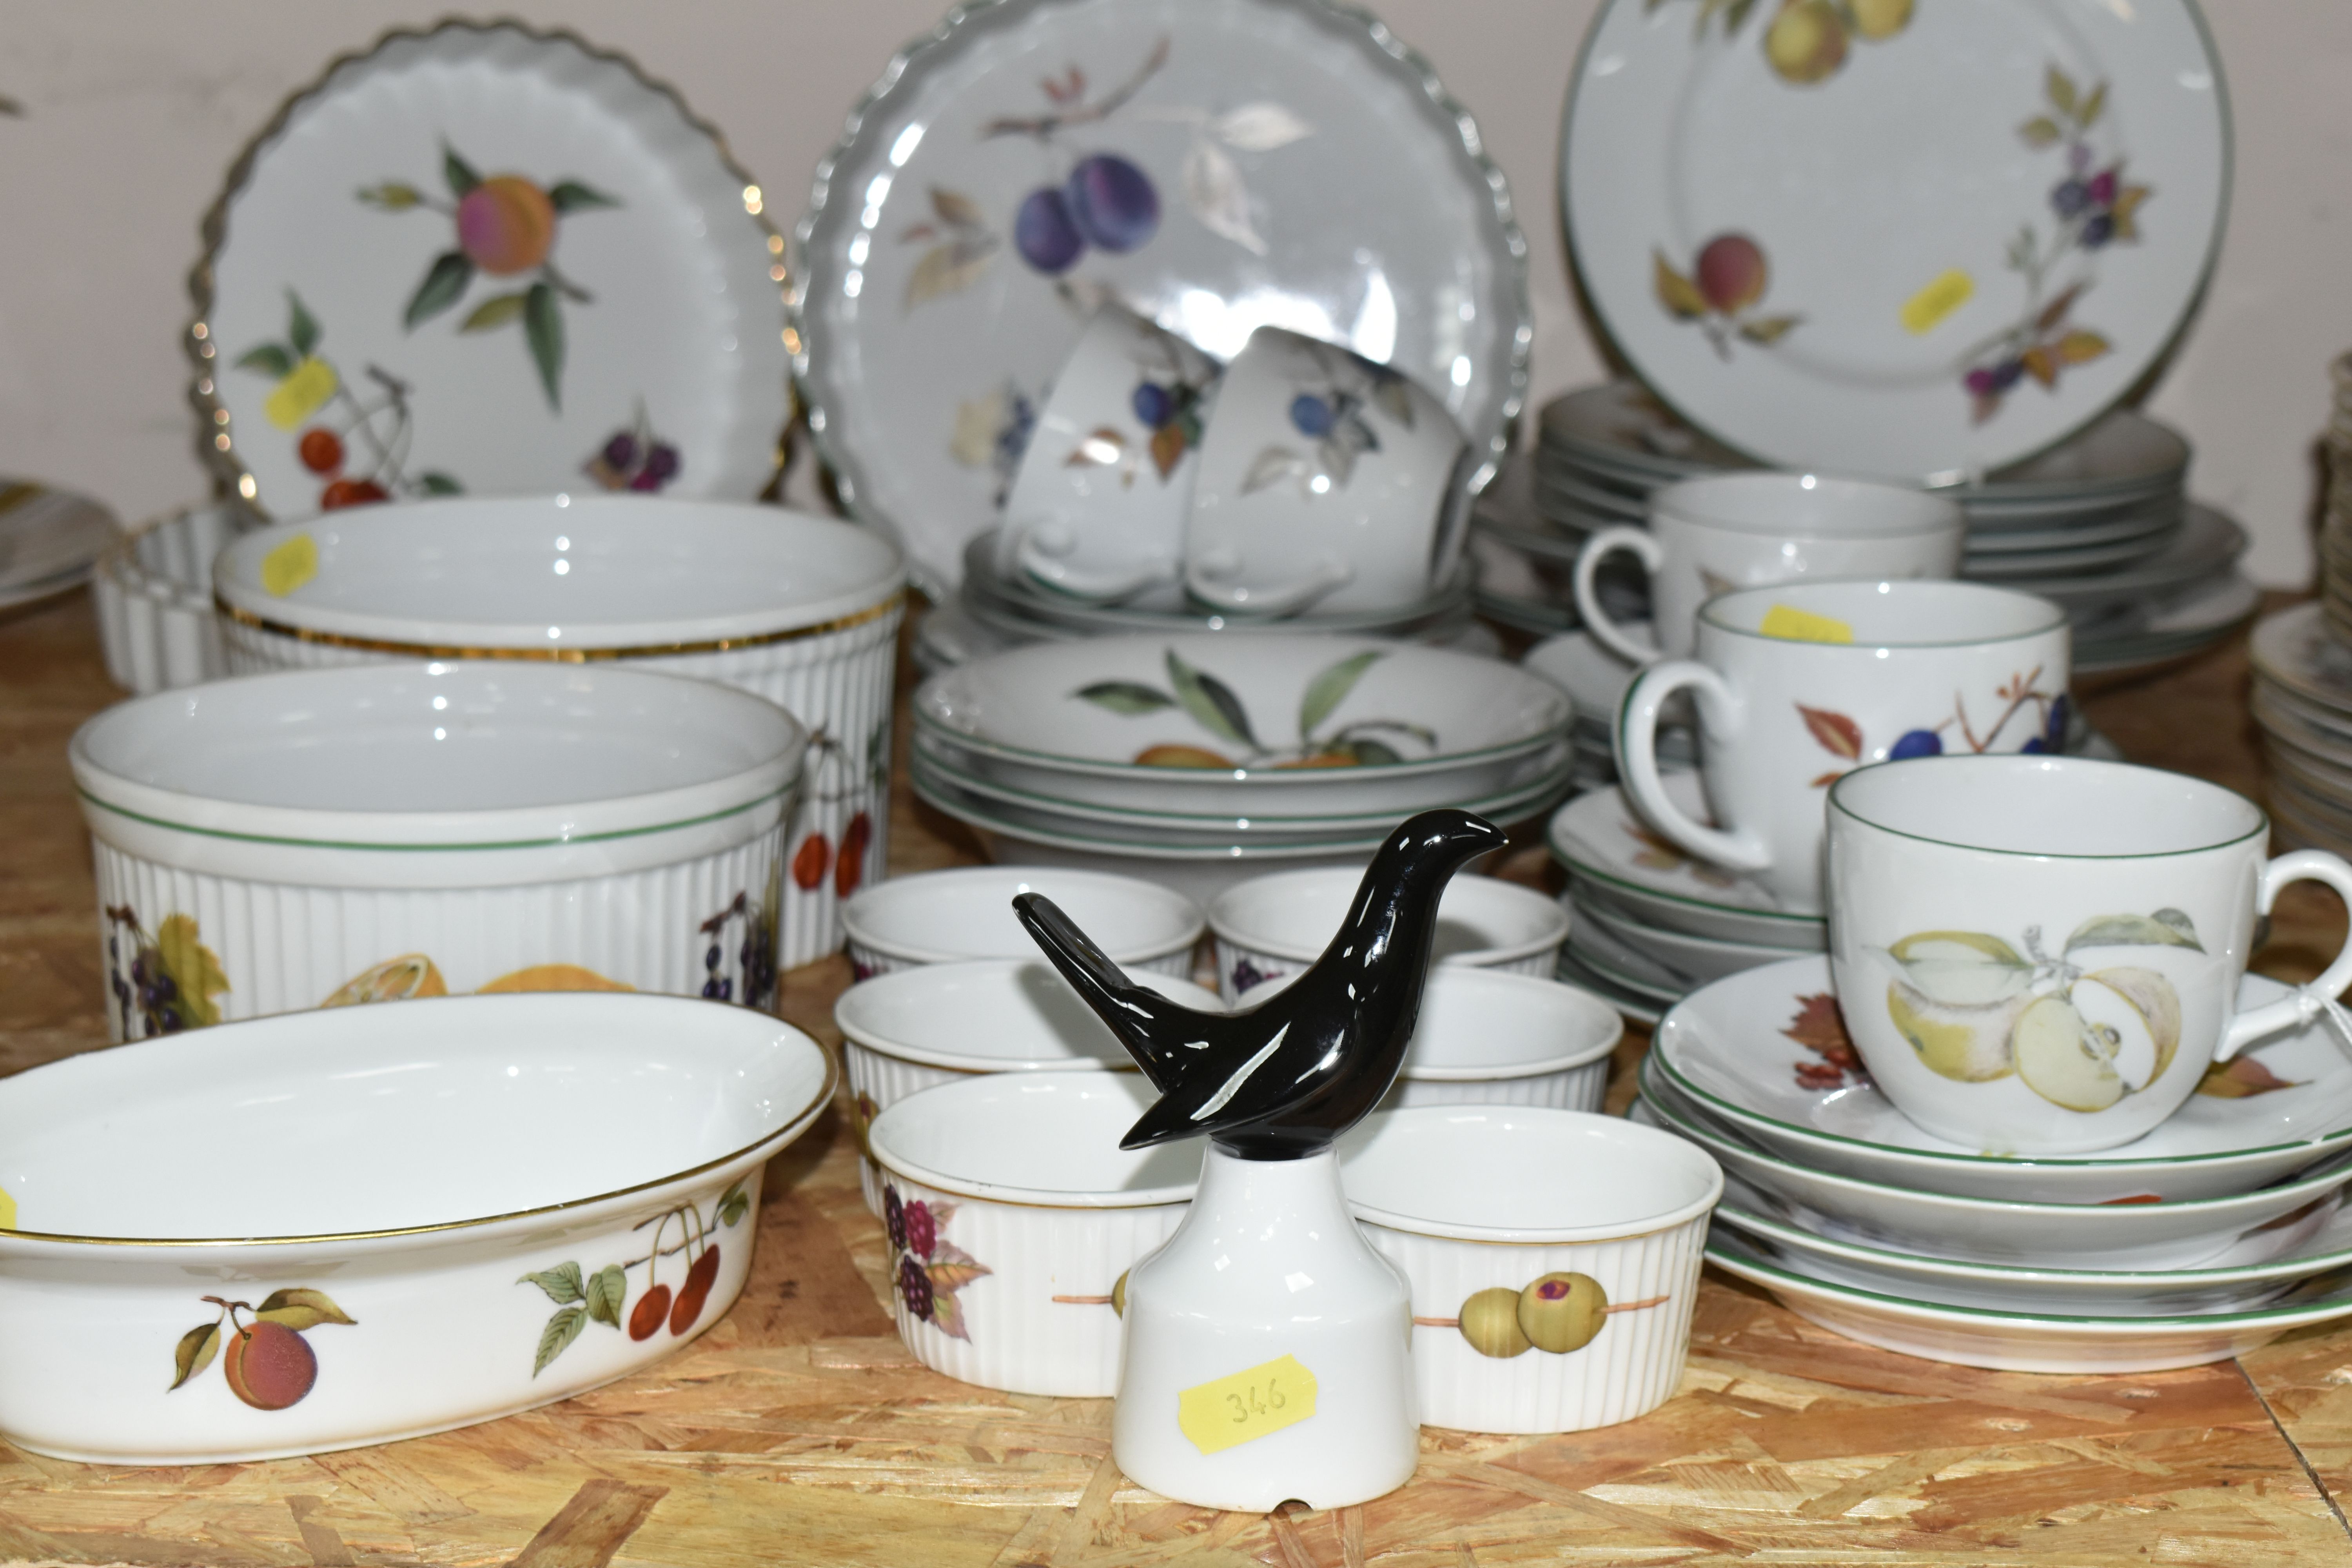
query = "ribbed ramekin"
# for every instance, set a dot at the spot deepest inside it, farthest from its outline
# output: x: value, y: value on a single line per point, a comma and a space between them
x: 942, y: 917
x: 153, y: 590
x: 1274, y: 925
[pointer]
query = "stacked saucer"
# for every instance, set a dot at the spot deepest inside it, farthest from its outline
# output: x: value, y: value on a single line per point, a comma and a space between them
x: 1197, y: 761
x: 2303, y: 701
x: 48, y: 540
x: 2214, y: 1233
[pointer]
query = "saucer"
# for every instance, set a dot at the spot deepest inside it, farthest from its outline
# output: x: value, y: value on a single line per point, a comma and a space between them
x: 1733, y: 1050
x: 2169, y: 1234
x: 1597, y: 836
x: 1703, y: 959
x: 1572, y: 971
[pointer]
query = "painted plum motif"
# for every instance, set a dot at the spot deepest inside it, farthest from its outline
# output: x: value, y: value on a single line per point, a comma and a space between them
x: 270, y: 1366
x: 164, y: 983
x: 1218, y: 708
x: 1727, y: 281
x: 505, y: 227
x: 755, y: 954
x: 1977, y: 1008
x: 358, y: 449
x: 1248, y: 976
x: 991, y: 434
x: 603, y: 1296
x: 1328, y: 413
x: 1843, y: 738
x: 1558, y: 1314
x: 930, y: 1270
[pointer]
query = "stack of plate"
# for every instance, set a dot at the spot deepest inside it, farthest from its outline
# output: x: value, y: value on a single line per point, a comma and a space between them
x: 1595, y: 681
x: 2303, y: 701
x: 2215, y: 1233
x: 1198, y: 760
x: 2335, y: 532
x: 48, y: 540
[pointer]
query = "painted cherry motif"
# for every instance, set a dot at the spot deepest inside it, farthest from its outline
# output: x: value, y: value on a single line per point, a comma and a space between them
x: 582, y: 1298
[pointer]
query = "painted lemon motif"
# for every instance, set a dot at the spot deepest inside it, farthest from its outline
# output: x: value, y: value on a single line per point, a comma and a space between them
x: 393, y: 980
x: 552, y: 977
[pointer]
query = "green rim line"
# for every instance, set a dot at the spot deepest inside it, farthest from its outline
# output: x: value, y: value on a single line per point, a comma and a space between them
x: 416, y: 848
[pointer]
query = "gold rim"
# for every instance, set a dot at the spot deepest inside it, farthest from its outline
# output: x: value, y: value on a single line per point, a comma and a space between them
x: 557, y: 655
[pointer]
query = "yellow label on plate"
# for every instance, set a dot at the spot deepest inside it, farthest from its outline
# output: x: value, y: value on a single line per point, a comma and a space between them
x: 7, y: 1211
x: 1803, y: 626
x: 1253, y: 1404
x: 290, y: 566
x: 302, y: 393
x: 1939, y: 299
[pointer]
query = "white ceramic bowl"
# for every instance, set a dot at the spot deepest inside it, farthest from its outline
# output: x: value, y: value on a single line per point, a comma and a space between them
x: 1489, y: 1038
x: 438, y: 1214
x: 152, y: 591
x: 1070, y: 720
x: 801, y: 610
x: 1278, y: 923
x: 1013, y: 1216
x: 317, y: 837
x: 940, y: 916
x: 1515, y: 1215
x: 921, y: 1027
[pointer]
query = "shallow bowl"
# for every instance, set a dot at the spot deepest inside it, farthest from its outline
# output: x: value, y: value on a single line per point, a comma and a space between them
x: 1013, y: 1216
x: 1553, y: 1257
x: 941, y: 917
x: 324, y: 837
x: 312, y: 1232
x: 1273, y: 925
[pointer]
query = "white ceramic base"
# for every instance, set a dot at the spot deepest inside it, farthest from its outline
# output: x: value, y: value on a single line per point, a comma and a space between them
x: 1268, y: 1265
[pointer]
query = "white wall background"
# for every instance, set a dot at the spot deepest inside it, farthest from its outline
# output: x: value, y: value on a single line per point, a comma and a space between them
x: 133, y: 109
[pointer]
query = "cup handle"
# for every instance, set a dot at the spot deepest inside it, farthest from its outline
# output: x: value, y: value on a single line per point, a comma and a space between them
x: 1038, y: 559
x: 1741, y: 849
x: 1641, y: 542
x: 2311, y: 998
x: 1285, y: 599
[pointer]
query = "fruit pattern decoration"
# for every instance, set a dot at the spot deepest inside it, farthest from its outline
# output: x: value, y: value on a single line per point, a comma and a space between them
x: 1843, y: 738
x: 1330, y: 414
x: 1167, y: 401
x: 358, y: 451
x: 1218, y: 708
x: 270, y: 1366
x: 1559, y: 1314
x: 841, y: 778
x: 603, y: 1296
x: 635, y: 459
x: 507, y: 227
x: 929, y: 1269
x: 755, y: 955
x: 166, y: 982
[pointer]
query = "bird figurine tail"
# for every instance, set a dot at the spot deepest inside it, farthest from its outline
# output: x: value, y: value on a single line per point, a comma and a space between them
x: 1158, y: 1033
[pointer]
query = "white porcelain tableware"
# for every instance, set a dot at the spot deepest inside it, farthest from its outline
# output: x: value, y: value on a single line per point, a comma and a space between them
x: 966, y: 911
x: 1707, y: 536
x: 49, y: 539
x: 1553, y: 1257
x: 2179, y: 1234
x: 1279, y: 923
x: 1215, y: 167
x: 1767, y: 1054
x: 1489, y: 1037
x: 320, y: 838
x: 488, y: 259
x: 1798, y: 682
x: 1602, y: 842
x: 1326, y: 481
x: 159, y: 1310
x: 2041, y: 955
x: 801, y: 610
x: 2046, y: 190
x: 152, y: 591
x: 1702, y: 958
x: 1098, y: 506
x: 1014, y: 1216
x: 915, y: 1028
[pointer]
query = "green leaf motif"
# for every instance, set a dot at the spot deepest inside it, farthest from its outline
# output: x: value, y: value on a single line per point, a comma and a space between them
x: 1211, y: 702
x: 270, y: 359
x: 561, y: 1331
x: 1330, y: 687
x: 732, y: 1206
x: 571, y: 196
x: 392, y: 196
x: 1129, y: 696
x: 2087, y: 114
x: 2166, y: 928
x: 542, y: 324
x: 1961, y: 968
x: 301, y: 327
x: 2040, y: 131
x: 495, y: 312
x: 458, y: 172
x: 299, y: 1310
x: 605, y: 1291
x: 194, y: 1352
x: 561, y: 1283
x: 2060, y: 88
x: 1391, y: 398
x: 440, y: 484
x: 444, y: 281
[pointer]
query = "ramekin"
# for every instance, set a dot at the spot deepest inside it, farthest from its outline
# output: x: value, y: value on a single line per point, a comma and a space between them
x: 941, y: 917
x: 1487, y: 1036
x: 152, y: 591
x: 1276, y: 924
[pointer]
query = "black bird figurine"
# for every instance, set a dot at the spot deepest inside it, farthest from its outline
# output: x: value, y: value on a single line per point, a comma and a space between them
x: 1282, y: 1080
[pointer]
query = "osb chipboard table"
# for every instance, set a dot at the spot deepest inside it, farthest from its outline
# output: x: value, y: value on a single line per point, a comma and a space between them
x: 798, y: 1430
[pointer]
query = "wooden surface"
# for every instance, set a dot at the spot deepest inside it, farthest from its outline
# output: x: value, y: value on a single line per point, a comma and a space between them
x: 798, y: 1430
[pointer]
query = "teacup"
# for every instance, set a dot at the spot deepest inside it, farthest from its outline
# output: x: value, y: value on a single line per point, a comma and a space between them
x: 2041, y: 955
x: 1326, y: 480
x: 1707, y: 536
x: 1097, y: 508
x: 1797, y: 682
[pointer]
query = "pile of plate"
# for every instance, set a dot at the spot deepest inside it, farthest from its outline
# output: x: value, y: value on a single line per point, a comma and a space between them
x: 2302, y: 703
x: 1197, y: 761
x: 2101, y: 525
x: 2214, y: 1234
x: 2335, y: 532
x: 48, y: 540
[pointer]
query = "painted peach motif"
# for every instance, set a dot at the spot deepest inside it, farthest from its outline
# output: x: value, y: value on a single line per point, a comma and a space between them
x: 506, y: 224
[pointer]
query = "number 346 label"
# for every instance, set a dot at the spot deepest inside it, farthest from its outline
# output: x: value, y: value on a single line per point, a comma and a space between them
x: 1267, y: 1399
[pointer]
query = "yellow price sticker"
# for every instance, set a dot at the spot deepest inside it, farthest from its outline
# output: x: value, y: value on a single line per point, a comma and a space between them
x: 1942, y: 296
x: 1249, y: 1404
x: 1803, y: 626
x: 304, y: 393
x: 290, y: 566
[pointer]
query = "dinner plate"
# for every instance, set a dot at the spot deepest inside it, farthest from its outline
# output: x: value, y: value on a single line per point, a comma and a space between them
x: 2295, y: 649
x: 1751, y: 1050
x: 493, y: 260
x: 1214, y: 165
x: 2023, y: 568
x: 2207, y: 545
x: 48, y: 538
x: 1913, y: 241
x: 1597, y: 836
x: 2176, y: 1234
x: 1627, y: 968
